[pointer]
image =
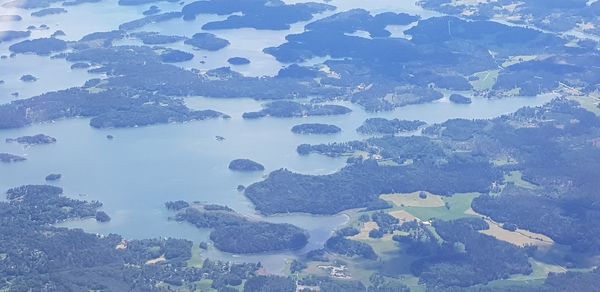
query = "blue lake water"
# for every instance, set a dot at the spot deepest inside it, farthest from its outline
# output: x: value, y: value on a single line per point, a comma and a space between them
x: 107, y: 15
x: 134, y: 174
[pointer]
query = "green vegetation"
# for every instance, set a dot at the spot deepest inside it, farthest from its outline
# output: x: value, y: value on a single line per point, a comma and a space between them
x: 236, y: 234
x: 485, y: 80
x: 453, y: 247
x: 9, y: 158
x: 533, y: 171
x: 457, y: 207
x: 245, y: 165
x: 196, y: 261
x: 589, y: 102
x: 361, y: 182
x: 516, y: 177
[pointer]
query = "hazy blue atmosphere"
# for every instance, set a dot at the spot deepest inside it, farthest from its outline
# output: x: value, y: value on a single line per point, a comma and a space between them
x: 258, y: 145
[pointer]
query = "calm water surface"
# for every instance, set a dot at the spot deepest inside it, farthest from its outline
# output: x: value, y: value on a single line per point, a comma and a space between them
x: 134, y: 174
x: 107, y: 15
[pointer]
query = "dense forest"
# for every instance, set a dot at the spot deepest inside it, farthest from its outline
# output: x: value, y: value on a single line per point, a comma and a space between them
x: 245, y: 165
x: 480, y: 259
x: 359, y: 184
x: 388, y: 127
x: 347, y: 247
x: 558, y: 199
x: 234, y: 233
x: 281, y: 109
x: 9, y: 158
x: 435, y: 207
x: 309, y: 129
x: 32, y: 140
x: 562, y: 203
x: 36, y: 256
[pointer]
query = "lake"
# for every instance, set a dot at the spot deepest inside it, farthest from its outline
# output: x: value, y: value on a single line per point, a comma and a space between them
x: 107, y: 15
x: 134, y: 174
x: 141, y: 168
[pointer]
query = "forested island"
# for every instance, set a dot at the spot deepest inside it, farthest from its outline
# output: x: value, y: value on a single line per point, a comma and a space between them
x: 207, y: 41
x: 116, y: 110
x: 234, y: 233
x: 259, y: 14
x: 38, y: 139
x: 238, y: 61
x: 9, y: 158
x: 388, y: 127
x: 310, y: 129
x: 42, y: 46
x: 48, y: 11
x: 460, y: 99
x: 501, y: 204
x: 149, y: 115
x: 175, y: 56
x: 53, y: 177
x: 28, y: 78
x: 287, y: 109
x: 245, y: 165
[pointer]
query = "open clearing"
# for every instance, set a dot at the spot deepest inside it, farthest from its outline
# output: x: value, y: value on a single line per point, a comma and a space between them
x: 157, y: 260
x: 516, y: 177
x: 385, y: 246
x: 504, y: 160
x: 196, y: 260
x: 518, y: 59
x: 364, y: 231
x: 519, y: 237
x: 404, y: 216
x: 588, y: 102
x: 540, y: 273
x: 457, y: 205
x: 413, y: 200
x: 486, y: 80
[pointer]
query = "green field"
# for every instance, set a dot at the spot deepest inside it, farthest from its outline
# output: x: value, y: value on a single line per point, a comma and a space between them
x: 486, y: 80
x: 589, y: 103
x: 458, y: 205
x: 536, y: 278
x: 503, y: 161
x: 518, y: 59
x: 204, y: 285
x: 516, y: 177
x: 196, y: 261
